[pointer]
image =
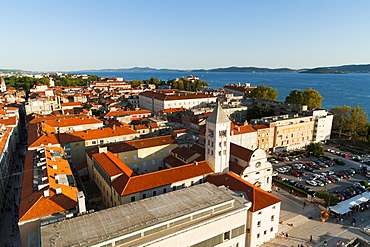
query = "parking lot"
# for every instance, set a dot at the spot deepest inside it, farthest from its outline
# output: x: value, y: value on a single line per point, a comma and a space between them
x: 307, y: 175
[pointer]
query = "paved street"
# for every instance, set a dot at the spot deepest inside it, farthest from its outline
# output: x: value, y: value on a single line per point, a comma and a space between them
x: 9, y: 233
x: 293, y: 212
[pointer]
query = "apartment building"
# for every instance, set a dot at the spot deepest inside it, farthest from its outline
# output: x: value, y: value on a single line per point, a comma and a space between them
x: 48, y: 187
x: 142, y: 156
x: 119, y: 184
x: 157, y: 101
x: 75, y: 143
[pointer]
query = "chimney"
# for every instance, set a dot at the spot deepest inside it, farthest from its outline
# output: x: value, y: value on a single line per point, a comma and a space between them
x: 81, y: 202
x: 102, y: 149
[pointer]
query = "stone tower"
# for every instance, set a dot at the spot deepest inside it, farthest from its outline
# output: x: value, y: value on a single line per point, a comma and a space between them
x: 218, y: 140
x: 2, y: 85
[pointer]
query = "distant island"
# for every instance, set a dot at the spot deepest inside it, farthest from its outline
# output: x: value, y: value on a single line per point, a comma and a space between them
x: 363, y: 68
x: 322, y: 71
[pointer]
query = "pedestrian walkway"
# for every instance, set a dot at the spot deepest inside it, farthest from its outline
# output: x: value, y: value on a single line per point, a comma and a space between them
x: 9, y: 232
x: 306, y: 221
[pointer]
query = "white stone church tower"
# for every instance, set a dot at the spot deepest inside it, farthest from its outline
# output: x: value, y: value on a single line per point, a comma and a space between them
x: 218, y: 140
x: 2, y: 85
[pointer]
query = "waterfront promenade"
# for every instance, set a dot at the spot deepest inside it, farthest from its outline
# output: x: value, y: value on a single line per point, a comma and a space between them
x: 293, y: 212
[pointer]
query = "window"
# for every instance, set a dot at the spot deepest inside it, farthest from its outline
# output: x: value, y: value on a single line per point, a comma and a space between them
x: 219, y: 153
x: 264, y: 232
x: 220, y: 144
x: 268, y: 180
x: 101, y: 141
x: 183, y: 185
x: 161, y: 152
x: 273, y: 207
x: 224, y: 143
x: 224, y: 152
x: 164, y: 190
x: 143, y: 196
x: 125, y: 159
x: 77, y: 144
x: 259, y: 224
x: 154, y: 193
x: 272, y: 217
x: 174, y: 188
x: 135, y: 157
x: 93, y: 142
x: 227, y: 236
x: 259, y: 213
x: 271, y: 229
x: 133, y: 198
x: 222, y: 133
x: 258, y: 235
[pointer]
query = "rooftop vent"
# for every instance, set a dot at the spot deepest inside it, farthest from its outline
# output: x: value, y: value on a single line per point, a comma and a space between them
x: 58, y: 191
x: 46, y: 193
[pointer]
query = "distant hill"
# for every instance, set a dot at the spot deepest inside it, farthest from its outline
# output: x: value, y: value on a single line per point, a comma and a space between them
x: 135, y: 69
x: 321, y: 71
x: 247, y: 69
x: 361, y: 68
x: 9, y: 70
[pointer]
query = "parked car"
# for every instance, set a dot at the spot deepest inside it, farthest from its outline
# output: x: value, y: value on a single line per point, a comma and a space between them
x: 311, y: 182
x: 295, y: 173
x: 319, y: 183
x: 323, y: 165
x: 308, y: 168
x: 340, y: 197
x: 357, y: 184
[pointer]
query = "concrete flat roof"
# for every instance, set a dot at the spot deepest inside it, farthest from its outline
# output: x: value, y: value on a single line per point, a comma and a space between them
x: 114, y: 222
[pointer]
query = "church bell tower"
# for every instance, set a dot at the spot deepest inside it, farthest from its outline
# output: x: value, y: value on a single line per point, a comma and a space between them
x: 218, y: 140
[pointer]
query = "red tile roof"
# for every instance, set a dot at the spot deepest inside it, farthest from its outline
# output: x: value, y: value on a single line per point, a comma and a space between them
x: 180, y: 96
x: 80, y: 136
x: 240, y: 152
x: 237, y: 130
x: 112, y: 165
x: 160, y: 178
x: 33, y: 204
x: 260, y: 199
x: 135, y: 145
x: 260, y: 126
x: 128, y: 113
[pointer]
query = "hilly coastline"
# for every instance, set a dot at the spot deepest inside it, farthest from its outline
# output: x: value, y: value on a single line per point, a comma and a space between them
x: 320, y: 70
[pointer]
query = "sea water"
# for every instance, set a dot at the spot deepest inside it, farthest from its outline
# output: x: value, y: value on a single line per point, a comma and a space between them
x: 337, y: 89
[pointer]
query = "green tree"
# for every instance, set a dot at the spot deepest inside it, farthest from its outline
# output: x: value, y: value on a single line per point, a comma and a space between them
x: 341, y: 118
x: 309, y: 97
x: 315, y: 148
x: 136, y: 83
x: 264, y: 92
x: 329, y: 198
x: 259, y: 112
x: 358, y: 123
x: 312, y: 98
x: 295, y: 97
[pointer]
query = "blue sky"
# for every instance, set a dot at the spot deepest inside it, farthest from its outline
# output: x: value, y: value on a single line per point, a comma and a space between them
x: 78, y: 34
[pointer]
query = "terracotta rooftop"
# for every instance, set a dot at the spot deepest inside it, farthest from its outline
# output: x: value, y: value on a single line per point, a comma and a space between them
x: 240, y: 152
x: 33, y: 203
x: 80, y: 136
x: 164, y: 177
x: 112, y: 165
x: 260, y: 199
x: 260, y: 126
x: 128, y: 113
x: 180, y: 96
x: 135, y: 145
